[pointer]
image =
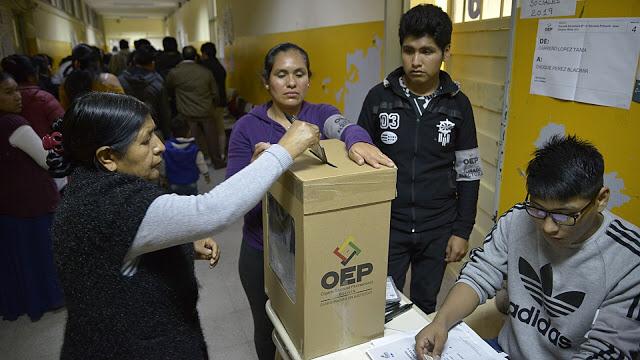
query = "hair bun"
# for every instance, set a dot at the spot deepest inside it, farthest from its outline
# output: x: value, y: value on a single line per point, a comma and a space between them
x: 58, y: 166
x: 57, y: 125
x: 53, y: 142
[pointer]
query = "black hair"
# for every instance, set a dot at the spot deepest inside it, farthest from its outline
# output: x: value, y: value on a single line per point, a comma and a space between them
x: 179, y: 127
x: 189, y: 53
x: 426, y: 19
x: 99, y: 119
x: 123, y: 44
x: 19, y: 67
x: 140, y: 43
x: 106, y: 58
x: 565, y: 168
x: 208, y: 48
x: 49, y: 58
x: 144, y: 56
x: 169, y: 43
x: 80, y: 79
x: 41, y: 63
x: 96, y: 50
x: 270, y: 58
x: 4, y: 76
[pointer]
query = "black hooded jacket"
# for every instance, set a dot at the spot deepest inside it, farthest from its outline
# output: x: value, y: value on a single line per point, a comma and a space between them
x: 148, y: 87
x: 436, y: 154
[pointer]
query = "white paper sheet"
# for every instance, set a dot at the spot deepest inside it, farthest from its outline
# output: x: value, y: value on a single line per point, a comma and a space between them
x: 547, y: 8
x: 462, y: 344
x: 587, y: 60
x: 392, y: 293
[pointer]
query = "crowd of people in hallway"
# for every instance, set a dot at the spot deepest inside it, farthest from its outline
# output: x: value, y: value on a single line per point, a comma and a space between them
x: 101, y: 213
x: 33, y: 103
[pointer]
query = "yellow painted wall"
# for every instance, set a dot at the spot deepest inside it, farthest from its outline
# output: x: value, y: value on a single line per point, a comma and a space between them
x: 613, y: 131
x: 327, y: 48
x: 190, y: 23
x: 170, y: 26
x: 133, y: 29
x: 124, y: 26
x: 52, y: 31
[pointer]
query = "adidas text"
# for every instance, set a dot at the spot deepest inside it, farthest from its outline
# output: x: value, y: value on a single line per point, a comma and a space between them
x: 531, y: 316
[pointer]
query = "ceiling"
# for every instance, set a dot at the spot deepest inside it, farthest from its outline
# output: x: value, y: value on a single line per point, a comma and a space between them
x: 134, y: 8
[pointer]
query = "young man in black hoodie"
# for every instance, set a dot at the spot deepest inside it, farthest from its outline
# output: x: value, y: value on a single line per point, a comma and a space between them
x: 420, y: 119
x: 144, y: 83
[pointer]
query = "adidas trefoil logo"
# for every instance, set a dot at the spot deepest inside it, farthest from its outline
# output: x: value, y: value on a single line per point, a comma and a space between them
x: 541, y: 287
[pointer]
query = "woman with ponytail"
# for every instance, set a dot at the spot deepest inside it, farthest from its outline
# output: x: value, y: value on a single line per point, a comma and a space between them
x: 86, y: 75
x: 28, y: 280
x: 123, y: 247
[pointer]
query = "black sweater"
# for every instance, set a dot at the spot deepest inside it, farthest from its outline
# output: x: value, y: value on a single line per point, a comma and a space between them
x: 151, y: 315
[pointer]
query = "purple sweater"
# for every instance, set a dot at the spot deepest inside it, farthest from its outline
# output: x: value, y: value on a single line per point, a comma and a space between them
x: 257, y: 127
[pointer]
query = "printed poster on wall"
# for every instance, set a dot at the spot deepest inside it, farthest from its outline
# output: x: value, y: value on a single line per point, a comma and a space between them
x: 547, y: 8
x: 587, y: 60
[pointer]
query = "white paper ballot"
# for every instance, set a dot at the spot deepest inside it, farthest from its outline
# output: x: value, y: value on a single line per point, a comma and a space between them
x: 392, y: 293
x: 587, y: 60
x: 462, y: 344
x: 547, y: 8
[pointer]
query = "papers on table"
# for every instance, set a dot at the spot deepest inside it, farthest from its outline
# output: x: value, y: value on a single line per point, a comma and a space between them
x: 463, y: 344
x: 400, y: 349
x: 393, y: 295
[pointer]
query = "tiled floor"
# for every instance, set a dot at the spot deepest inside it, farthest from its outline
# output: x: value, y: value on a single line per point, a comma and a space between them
x: 224, y: 310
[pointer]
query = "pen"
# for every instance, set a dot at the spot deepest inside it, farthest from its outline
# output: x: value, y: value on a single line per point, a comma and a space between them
x: 316, y: 149
x: 291, y: 118
x: 390, y: 316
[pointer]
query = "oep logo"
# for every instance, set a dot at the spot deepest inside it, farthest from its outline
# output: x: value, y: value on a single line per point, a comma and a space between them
x: 348, y: 274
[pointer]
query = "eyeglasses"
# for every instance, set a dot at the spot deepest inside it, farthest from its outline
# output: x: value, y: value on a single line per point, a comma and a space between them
x: 558, y: 218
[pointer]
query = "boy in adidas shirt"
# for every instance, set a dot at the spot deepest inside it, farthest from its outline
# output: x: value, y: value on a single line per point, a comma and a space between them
x: 573, y: 268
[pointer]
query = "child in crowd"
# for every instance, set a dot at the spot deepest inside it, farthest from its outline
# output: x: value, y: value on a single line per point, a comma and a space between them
x: 183, y: 160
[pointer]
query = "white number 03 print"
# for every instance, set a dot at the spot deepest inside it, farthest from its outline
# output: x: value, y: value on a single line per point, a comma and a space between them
x: 389, y: 120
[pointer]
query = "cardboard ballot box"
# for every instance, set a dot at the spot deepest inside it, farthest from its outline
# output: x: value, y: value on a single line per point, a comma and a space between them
x: 326, y: 233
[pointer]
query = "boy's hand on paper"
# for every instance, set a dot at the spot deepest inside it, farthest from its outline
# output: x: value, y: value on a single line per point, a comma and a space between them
x: 456, y: 249
x: 300, y: 136
x: 259, y: 149
x: 207, y: 249
x: 430, y: 341
x: 362, y: 152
